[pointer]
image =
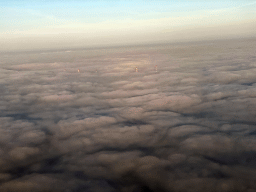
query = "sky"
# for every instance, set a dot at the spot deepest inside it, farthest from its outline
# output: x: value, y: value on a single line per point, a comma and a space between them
x: 67, y: 24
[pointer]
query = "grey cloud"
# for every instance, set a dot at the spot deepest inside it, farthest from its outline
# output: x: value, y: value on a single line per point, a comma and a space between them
x: 85, y: 120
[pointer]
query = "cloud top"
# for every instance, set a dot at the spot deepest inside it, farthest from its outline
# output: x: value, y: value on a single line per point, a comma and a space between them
x: 86, y: 120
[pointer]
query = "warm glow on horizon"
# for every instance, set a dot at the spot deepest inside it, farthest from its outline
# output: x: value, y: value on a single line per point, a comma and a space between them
x: 60, y: 24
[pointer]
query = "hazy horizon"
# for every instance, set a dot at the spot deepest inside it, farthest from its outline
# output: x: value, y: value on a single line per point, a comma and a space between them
x: 28, y: 25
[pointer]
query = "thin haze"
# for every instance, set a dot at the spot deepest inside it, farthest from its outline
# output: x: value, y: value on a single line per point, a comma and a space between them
x: 62, y: 24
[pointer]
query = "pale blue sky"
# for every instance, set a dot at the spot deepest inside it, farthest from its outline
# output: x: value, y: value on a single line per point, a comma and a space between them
x: 104, y: 19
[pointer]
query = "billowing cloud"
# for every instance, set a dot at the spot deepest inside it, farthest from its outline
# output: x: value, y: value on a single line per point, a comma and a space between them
x: 85, y: 120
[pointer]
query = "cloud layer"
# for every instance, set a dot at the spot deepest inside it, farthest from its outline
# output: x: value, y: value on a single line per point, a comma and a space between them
x: 85, y: 120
